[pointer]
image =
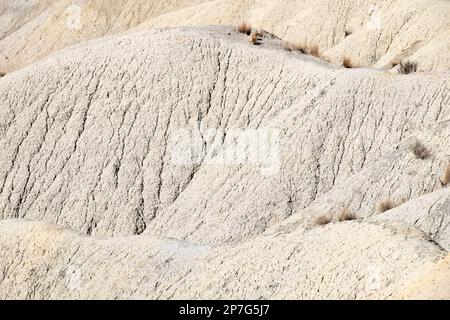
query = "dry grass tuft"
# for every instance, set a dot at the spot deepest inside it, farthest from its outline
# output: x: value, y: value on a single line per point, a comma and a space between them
x: 347, y: 215
x: 294, y: 47
x: 323, y: 220
x: 348, y: 63
x: 445, y: 179
x: 298, y: 47
x: 385, y: 205
x: 420, y: 151
x: 254, y: 39
x: 407, y: 67
x: 388, y: 204
x: 245, y: 28
x: 266, y: 35
x: 314, y: 51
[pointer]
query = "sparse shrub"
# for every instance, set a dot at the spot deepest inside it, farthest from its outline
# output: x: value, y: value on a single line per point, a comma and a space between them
x: 348, y: 63
x: 323, y: 220
x: 407, y: 67
x: 347, y: 33
x: 388, y: 204
x: 2, y: 74
x: 259, y: 34
x: 347, y: 215
x: 420, y: 151
x: 264, y: 34
x: 314, y: 51
x: 294, y: 47
x: 385, y: 205
x: 445, y: 179
x: 254, y: 39
x: 245, y: 28
x: 298, y: 47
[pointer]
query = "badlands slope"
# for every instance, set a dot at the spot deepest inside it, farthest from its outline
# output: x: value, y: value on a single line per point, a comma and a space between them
x: 32, y: 29
x: 95, y: 204
x: 373, y: 33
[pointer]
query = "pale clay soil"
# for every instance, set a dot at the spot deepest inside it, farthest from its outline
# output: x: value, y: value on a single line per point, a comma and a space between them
x: 94, y: 202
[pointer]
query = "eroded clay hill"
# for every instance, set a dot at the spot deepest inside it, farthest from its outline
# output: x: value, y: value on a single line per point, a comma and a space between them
x: 32, y: 29
x: 89, y: 131
x: 374, y: 33
x: 87, y: 140
x: 350, y: 260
